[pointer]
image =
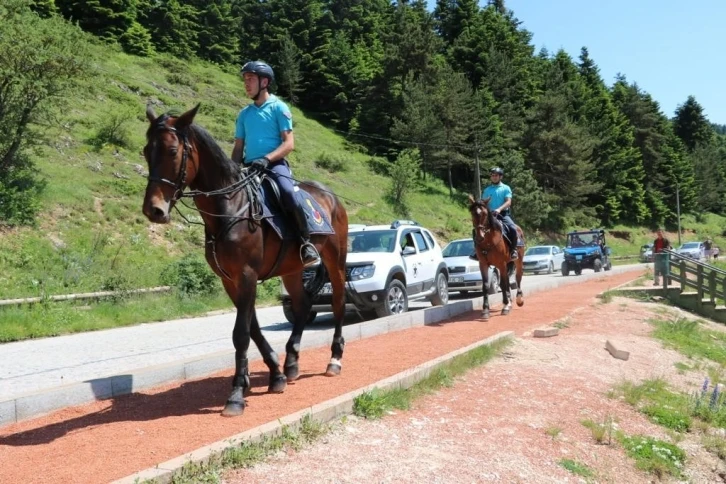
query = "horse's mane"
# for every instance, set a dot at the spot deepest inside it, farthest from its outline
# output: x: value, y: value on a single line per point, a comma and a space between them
x: 229, y: 169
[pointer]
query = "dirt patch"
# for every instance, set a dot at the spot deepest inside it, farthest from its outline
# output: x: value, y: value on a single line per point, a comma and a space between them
x: 514, y: 419
x: 109, y: 439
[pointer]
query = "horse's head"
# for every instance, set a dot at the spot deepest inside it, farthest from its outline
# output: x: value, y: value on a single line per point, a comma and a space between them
x: 167, y: 153
x: 480, y: 216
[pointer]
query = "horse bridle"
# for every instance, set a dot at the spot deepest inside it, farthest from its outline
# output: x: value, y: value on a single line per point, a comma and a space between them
x: 182, y: 178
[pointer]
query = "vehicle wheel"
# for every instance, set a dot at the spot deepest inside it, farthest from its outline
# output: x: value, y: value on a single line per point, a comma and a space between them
x: 287, y: 311
x: 536, y: 273
x: 608, y: 266
x: 441, y: 296
x: 578, y: 271
x: 551, y: 269
x: 597, y: 265
x: 395, y: 300
x: 493, y: 284
x: 464, y: 293
x: 565, y: 270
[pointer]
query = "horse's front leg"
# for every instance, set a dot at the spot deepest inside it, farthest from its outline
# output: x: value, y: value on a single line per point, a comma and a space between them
x: 243, y: 294
x: 506, y: 290
x: 484, y: 268
x: 520, y: 271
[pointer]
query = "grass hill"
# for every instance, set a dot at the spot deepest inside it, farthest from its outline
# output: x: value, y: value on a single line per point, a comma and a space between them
x: 91, y: 234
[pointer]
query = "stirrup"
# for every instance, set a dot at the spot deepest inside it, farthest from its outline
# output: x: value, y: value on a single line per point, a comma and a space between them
x: 310, y: 262
x: 514, y: 255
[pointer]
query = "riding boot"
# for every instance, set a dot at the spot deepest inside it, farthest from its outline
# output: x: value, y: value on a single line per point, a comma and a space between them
x: 308, y: 253
x: 514, y: 239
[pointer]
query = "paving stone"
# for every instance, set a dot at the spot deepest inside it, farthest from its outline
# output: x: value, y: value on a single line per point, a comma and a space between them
x: 616, y: 350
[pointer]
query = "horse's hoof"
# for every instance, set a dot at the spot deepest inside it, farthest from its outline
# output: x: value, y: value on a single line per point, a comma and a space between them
x: 520, y: 302
x: 505, y: 311
x: 485, y: 316
x: 333, y: 370
x: 278, y: 384
x: 292, y: 372
x: 233, y: 409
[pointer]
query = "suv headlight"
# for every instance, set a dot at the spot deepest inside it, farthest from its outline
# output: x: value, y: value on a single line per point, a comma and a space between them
x: 362, y: 272
x: 473, y: 269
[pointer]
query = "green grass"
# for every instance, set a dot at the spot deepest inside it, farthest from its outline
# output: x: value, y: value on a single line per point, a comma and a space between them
x: 247, y: 454
x: 54, y: 319
x: 577, y: 468
x: 691, y: 339
x: 654, y: 456
x: 378, y: 403
x: 663, y: 406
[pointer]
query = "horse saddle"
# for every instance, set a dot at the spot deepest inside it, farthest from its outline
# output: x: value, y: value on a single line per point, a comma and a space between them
x: 277, y: 218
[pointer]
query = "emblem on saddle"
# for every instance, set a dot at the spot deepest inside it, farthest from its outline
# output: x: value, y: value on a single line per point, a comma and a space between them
x: 317, y: 217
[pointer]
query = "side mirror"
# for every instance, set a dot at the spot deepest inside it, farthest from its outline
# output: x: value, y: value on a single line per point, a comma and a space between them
x: 473, y: 256
x: 408, y: 250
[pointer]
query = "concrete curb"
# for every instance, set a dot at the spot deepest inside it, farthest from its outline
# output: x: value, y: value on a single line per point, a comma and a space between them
x: 322, y: 412
x: 35, y: 404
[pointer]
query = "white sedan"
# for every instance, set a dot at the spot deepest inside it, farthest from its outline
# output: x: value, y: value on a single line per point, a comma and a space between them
x: 543, y: 258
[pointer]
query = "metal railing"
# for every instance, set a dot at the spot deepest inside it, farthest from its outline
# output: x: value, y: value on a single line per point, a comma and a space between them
x: 708, y: 281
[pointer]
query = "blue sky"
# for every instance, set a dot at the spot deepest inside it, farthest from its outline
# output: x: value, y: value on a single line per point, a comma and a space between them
x: 670, y: 48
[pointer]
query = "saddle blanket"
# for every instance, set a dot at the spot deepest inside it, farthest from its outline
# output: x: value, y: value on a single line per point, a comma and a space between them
x: 279, y: 221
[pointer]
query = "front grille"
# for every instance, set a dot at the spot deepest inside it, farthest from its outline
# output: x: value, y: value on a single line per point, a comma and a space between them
x: 457, y: 270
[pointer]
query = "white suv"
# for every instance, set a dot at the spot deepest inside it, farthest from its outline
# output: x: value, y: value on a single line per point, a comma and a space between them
x: 387, y: 266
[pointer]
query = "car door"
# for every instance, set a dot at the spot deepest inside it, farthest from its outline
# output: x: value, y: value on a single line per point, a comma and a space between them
x: 428, y: 266
x: 412, y: 263
x: 558, y: 257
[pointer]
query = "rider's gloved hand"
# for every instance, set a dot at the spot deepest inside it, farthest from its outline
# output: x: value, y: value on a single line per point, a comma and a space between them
x: 260, y: 163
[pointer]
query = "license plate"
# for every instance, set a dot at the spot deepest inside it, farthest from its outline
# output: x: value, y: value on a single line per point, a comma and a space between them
x: 579, y: 257
x: 326, y: 289
x: 456, y: 279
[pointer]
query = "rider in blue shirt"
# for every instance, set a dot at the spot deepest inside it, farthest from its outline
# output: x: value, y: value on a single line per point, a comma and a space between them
x: 263, y: 134
x: 500, y: 203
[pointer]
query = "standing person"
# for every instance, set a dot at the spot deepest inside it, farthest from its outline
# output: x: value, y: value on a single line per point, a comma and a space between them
x: 660, y: 244
x: 500, y: 204
x: 707, y: 247
x: 263, y: 138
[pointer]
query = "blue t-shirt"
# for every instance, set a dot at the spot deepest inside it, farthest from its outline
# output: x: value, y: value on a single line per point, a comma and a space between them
x: 499, y: 194
x: 260, y: 127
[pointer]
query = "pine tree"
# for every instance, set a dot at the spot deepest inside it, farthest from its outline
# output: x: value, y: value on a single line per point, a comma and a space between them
x: 173, y: 27
x: 137, y: 40
x: 691, y: 125
x: 217, y: 35
x: 289, y: 76
x: 619, y: 163
x: 108, y: 19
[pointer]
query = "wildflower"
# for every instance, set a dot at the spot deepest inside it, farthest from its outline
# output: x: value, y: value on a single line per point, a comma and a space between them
x: 704, y: 388
x: 714, y: 397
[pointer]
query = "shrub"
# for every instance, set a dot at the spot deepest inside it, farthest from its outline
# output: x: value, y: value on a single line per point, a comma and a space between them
x: 190, y: 276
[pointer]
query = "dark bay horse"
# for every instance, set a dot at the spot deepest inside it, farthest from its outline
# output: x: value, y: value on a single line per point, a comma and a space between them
x: 491, y: 249
x: 240, y: 248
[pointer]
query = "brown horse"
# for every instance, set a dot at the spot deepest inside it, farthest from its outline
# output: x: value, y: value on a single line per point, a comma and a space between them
x: 491, y: 249
x: 240, y: 248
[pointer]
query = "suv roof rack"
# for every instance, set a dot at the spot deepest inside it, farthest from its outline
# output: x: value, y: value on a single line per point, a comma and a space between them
x: 398, y: 223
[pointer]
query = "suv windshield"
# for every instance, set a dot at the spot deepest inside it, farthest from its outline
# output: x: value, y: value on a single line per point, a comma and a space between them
x: 691, y: 245
x: 538, y: 251
x: 459, y: 249
x: 582, y: 239
x: 372, y: 241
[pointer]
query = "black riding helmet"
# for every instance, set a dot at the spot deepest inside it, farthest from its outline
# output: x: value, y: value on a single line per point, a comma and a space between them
x: 496, y: 171
x: 260, y: 68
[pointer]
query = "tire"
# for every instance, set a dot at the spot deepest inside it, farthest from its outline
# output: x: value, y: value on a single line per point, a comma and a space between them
x: 597, y: 265
x: 493, y: 284
x: 564, y: 269
x: 464, y: 293
x: 287, y: 311
x: 578, y: 271
x: 536, y: 273
x: 551, y: 268
x: 441, y: 295
x: 395, y: 300
x: 608, y: 266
